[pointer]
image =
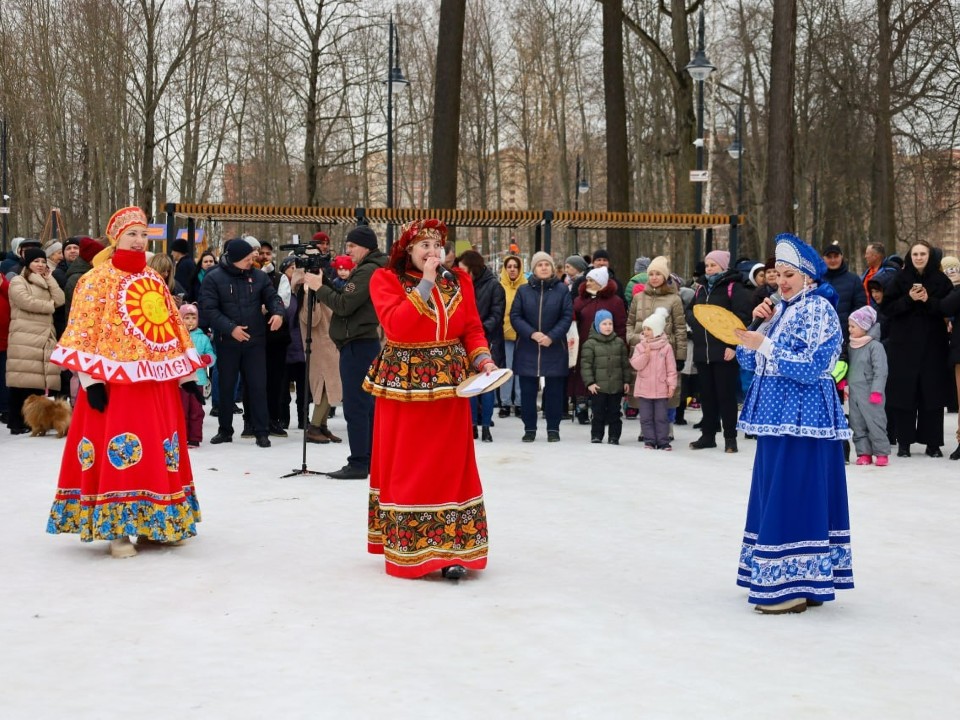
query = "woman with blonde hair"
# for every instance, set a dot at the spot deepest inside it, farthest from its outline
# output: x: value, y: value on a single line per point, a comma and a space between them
x: 166, y: 268
x: 125, y: 471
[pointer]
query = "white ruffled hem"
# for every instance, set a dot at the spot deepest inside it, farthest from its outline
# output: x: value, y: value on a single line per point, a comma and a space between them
x: 823, y: 433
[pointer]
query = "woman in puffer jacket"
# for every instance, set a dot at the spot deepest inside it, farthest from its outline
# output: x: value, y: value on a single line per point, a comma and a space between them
x: 541, y: 314
x: 659, y: 292
x: 34, y: 295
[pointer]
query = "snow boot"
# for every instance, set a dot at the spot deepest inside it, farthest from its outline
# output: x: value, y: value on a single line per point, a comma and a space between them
x: 122, y: 548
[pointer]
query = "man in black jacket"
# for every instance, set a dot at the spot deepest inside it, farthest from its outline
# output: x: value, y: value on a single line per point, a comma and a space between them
x: 847, y: 284
x: 355, y: 330
x: 232, y: 297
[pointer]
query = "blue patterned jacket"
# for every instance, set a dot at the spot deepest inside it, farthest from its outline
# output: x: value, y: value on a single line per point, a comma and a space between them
x: 793, y: 392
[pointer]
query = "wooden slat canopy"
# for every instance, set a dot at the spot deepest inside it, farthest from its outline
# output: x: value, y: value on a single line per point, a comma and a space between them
x: 227, y: 212
x: 456, y: 217
x: 584, y: 220
x: 264, y: 213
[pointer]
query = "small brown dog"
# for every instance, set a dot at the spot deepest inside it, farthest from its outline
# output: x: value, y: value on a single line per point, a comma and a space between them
x: 44, y: 413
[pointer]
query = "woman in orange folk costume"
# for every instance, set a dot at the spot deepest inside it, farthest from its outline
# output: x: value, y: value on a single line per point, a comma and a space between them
x: 426, y: 503
x: 125, y: 470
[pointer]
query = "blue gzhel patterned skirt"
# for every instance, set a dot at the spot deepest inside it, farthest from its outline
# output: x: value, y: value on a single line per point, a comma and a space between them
x: 796, y: 542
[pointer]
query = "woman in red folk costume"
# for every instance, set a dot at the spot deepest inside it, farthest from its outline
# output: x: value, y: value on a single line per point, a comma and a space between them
x: 426, y: 510
x: 125, y: 470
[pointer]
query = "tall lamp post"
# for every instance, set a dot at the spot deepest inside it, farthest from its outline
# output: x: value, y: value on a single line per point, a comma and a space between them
x: 700, y: 69
x: 395, y: 82
x: 736, y: 152
x: 580, y: 188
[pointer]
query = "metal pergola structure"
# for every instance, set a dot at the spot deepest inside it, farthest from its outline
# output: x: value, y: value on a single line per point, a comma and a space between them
x: 543, y: 221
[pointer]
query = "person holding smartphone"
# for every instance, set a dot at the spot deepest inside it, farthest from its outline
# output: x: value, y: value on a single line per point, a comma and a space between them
x: 917, y: 350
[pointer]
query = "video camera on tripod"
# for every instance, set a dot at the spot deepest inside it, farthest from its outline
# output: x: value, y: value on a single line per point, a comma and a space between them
x: 308, y: 258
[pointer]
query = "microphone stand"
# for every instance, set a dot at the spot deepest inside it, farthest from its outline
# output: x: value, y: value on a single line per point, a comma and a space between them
x: 311, y: 299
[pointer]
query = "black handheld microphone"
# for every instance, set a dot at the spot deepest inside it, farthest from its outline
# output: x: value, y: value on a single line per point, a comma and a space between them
x: 446, y: 274
x: 774, y: 300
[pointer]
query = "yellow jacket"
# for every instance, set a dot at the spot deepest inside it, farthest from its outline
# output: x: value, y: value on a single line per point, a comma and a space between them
x: 510, y: 287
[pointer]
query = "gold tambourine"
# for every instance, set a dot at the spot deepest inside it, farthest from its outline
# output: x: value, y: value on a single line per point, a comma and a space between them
x: 719, y: 322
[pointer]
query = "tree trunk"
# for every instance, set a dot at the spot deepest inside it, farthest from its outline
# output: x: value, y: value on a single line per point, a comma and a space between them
x: 151, y: 21
x: 615, y: 102
x: 883, y: 226
x: 446, y: 114
x: 312, y: 29
x: 779, y: 195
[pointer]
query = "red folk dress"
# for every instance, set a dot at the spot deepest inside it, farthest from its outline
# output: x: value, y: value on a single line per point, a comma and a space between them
x: 426, y: 508
x: 125, y: 471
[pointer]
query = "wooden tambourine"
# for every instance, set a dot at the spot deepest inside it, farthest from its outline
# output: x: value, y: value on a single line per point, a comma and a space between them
x: 483, y: 383
x: 719, y: 322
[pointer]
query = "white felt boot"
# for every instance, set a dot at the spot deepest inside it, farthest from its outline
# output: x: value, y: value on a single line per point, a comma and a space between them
x: 122, y: 548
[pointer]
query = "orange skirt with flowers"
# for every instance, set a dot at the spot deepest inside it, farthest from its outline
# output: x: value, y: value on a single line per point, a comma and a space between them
x: 426, y: 508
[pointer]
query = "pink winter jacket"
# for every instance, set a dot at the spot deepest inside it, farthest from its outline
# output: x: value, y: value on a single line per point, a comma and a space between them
x: 656, y: 369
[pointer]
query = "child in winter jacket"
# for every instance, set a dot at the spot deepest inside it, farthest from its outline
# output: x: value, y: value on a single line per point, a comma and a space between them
x: 342, y: 265
x: 866, y: 380
x: 605, y: 370
x: 192, y: 406
x: 656, y: 369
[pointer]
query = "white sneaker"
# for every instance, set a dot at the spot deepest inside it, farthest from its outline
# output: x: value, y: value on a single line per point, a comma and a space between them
x: 122, y: 548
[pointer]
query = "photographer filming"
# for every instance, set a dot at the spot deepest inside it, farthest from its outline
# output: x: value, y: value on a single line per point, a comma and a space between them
x: 354, y: 328
x: 324, y: 370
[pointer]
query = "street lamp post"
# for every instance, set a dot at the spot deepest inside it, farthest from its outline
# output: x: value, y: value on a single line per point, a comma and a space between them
x: 700, y: 69
x: 395, y: 81
x: 736, y: 152
x: 581, y: 187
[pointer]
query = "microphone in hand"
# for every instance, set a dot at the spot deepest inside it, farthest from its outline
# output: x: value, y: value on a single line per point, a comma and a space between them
x: 772, y: 301
x: 446, y: 274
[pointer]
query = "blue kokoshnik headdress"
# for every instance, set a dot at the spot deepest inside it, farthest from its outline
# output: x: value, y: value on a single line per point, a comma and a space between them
x: 791, y: 250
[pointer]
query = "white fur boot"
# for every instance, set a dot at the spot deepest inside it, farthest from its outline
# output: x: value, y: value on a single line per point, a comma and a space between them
x: 122, y: 548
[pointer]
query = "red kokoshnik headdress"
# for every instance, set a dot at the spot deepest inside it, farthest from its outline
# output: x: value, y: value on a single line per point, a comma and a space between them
x: 123, y: 219
x: 414, y: 232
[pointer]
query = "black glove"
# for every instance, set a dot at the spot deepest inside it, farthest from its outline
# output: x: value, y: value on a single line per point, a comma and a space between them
x: 680, y: 364
x: 97, y: 397
x: 191, y: 387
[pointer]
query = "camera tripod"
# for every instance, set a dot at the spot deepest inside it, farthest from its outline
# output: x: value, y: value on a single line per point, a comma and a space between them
x: 310, y: 298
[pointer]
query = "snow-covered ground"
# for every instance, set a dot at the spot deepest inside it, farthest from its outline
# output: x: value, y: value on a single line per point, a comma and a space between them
x: 609, y: 594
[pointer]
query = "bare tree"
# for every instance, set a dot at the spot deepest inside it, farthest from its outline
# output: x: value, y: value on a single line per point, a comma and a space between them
x: 446, y: 116
x: 780, y: 128
x: 154, y: 66
x: 618, y: 177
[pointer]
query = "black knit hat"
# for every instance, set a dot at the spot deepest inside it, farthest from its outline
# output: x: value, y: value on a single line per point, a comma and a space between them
x: 33, y: 253
x: 364, y: 236
x: 238, y: 249
x: 181, y: 246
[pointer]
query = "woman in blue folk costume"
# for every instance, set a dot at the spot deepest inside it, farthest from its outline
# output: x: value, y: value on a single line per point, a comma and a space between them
x: 796, y: 543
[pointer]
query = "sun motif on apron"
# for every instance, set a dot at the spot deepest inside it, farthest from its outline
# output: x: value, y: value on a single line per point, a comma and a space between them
x: 144, y: 310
